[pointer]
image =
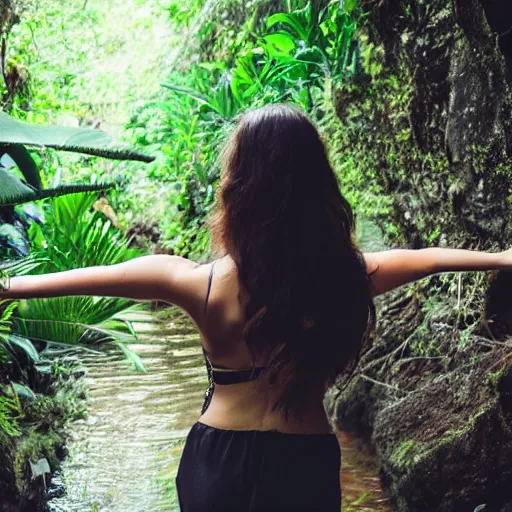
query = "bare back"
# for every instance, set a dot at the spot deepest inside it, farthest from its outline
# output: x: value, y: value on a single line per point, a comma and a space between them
x: 247, y: 405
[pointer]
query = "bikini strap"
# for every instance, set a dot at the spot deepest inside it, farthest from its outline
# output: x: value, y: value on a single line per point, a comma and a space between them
x: 211, y: 385
x: 210, y: 279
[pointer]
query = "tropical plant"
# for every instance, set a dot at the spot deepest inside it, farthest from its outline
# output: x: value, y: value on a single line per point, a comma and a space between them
x: 10, y: 407
x: 308, y: 45
x: 15, y: 136
x: 321, y: 37
x: 297, y: 51
x: 74, y: 237
x: 77, y: 321
x: 15, y: 351
x: 17, y: 354
x: 7, y: 308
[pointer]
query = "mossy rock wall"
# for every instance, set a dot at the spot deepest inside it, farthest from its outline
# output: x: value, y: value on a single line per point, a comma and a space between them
x: 430, y: 123
x: 427, y: 128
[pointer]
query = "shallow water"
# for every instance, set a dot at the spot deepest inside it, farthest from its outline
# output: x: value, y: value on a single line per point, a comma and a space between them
x: 125, y: 455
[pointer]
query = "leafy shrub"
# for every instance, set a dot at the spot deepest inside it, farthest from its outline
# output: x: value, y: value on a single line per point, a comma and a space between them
x: 285, y: 57
x: 73, y: 237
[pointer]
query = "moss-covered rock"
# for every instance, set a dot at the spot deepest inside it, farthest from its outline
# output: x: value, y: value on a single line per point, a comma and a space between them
x: 446, y: 446
x: 423, y: 141
x: 430, y: 129
x: 42, y: 435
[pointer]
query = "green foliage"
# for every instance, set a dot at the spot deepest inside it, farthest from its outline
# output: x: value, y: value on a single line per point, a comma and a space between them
x: 10, y: 410
x: 7, y: 308
x: 75, y: 321
x: 73, y: 237
x: 293, y: 53
x: 34, y: 445
x: 42, y: 421
x: 77, y: 140
x: 13, y: 348
x: 15, y: 135
x: 183, y: 13
x: 186, y: 134
x: 9, y: 405
x: 283, y: 58
x: 321, y: 40
x: 14, y: 191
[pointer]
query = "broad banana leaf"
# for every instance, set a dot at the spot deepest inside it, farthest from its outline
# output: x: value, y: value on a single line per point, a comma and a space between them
x: 78, y: 140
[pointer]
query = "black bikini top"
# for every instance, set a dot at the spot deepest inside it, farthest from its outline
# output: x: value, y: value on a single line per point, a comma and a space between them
x: 224, y: 376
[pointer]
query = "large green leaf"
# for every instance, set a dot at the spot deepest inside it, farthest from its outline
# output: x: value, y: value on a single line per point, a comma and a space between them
x: 279, y: 43
x: 291, y: 20
x: 78, y: 140
x: 25, y: 345
x: 13, y: 191
x: 22, y: 158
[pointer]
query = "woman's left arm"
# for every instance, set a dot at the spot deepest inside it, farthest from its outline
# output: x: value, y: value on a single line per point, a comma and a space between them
x: 393, y: 268
x: 157, y: 277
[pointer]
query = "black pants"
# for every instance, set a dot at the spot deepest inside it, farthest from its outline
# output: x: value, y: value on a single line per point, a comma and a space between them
x: 258, y: 471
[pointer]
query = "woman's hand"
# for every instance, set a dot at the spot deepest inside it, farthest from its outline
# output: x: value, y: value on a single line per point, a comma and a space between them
x: 390, y: 269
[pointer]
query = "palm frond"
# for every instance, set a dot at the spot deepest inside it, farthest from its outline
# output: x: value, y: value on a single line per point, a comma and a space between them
x: 76, y: 239
x: 22, y: 266
x: 76, y: 321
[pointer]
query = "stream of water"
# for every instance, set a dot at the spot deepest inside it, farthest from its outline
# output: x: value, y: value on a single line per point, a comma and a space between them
x: 125, y: 455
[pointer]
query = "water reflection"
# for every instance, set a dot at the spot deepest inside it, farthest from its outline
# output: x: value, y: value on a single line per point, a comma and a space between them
x: 125, y: 455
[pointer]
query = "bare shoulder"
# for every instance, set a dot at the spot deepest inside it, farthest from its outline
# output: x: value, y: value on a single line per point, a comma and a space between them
x: 225, y: 315
x: 188, y: 280
x: 371, y: 260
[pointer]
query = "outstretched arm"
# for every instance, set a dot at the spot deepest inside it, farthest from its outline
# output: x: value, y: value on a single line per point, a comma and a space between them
x: 390, y: 269
x: 158, y: 277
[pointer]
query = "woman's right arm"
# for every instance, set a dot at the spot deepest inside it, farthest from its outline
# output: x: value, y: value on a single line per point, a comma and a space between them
x: 396, y: 267
x: 157, y: 277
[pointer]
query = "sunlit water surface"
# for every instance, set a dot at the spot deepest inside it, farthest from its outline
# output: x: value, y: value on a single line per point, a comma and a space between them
x: 124, y: 457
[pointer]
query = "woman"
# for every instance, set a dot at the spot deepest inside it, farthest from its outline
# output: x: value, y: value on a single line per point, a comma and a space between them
x: 284, y: 308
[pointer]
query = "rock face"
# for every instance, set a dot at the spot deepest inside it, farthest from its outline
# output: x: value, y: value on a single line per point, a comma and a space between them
x: 429, y: 127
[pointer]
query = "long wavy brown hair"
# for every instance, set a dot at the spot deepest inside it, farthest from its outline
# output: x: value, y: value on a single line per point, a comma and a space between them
x: 282, y: 218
